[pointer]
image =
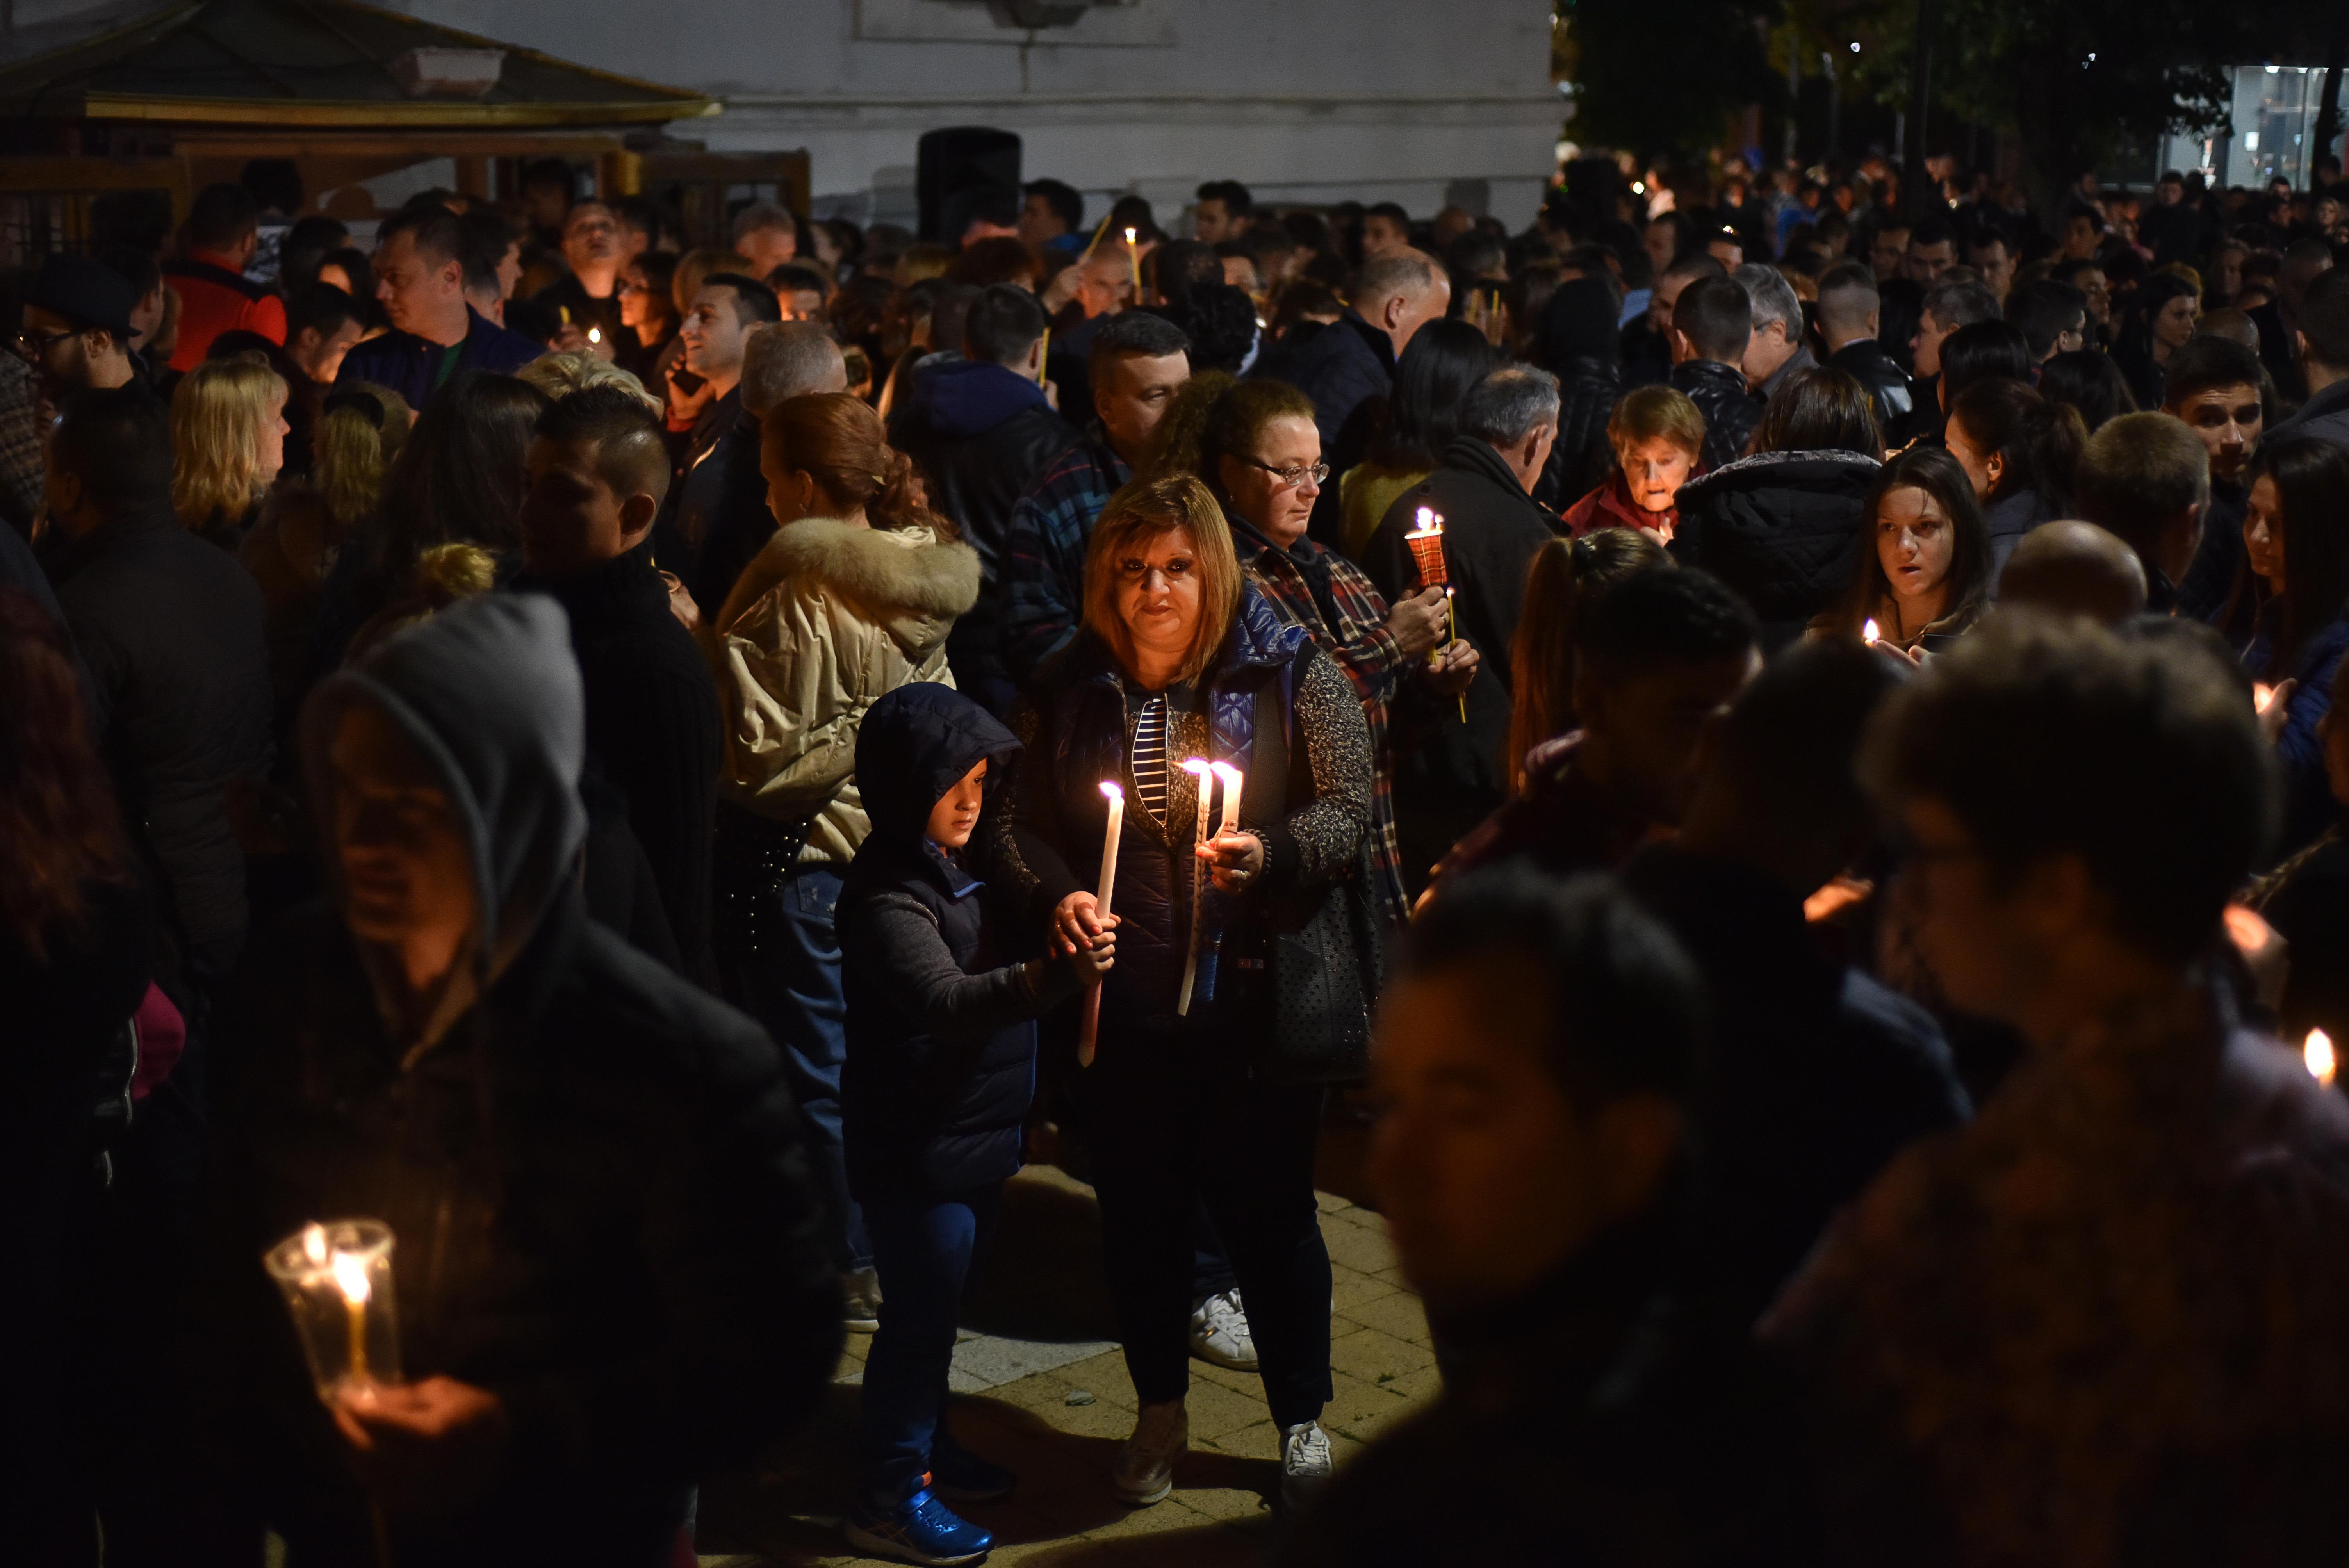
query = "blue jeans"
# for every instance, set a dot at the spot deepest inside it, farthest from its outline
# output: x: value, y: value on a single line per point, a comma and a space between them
x: 926, y: 1249
x: 790, y: 982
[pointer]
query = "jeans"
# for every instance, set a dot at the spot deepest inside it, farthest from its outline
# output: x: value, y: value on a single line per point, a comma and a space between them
x: 926, y: 1249
x: 789, y: 979
x: 1173, y: 1121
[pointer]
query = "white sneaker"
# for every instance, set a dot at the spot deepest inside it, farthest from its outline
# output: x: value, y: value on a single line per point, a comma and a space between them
x: 860, y: 1301
x: 1219, y: 1333
x: 1144, y: 1471
x: 1304, y: 1466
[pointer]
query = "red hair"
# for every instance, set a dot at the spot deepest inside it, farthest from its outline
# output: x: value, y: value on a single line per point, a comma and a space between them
x: 59, y: 829
x: 837, y: 440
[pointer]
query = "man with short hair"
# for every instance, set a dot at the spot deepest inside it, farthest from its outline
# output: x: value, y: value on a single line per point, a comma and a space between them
x: 77, y: 328
x: 1932, y: 250
x: 2088, y: 1326
x: 1343, y: 367
x: 2072, y: 568
x: 1224, y: 211
x: 322, y: 325
x: 1992, y: 259
x: 598, y: 472
x: 2146, y: 478
x: 2095, y: 289
x: 493, y: 261
x: 2320, y: 346
x: 1776, y: 349
x: 172, y: 632
x: 2052, y: 317
x: 713, y: 338
x: 1140, y: 360
x: 800, y: 290
x: 983, y: 432
x: 1850, y: 309
x: 222, y: 232
x: 2214, y: 386
x: 1537, y: 1056
x: 1656, y: 656
x: 2083, y: 233
x: 2279, y: 320
x: 1713, y: 321
x: 595, y: 1169
x: 1646, y: 346
x: 722, y: 502
x: 1455, y: 775
x: 420, y: 277
x: 768, y: 235
x: 1386, y: 231
x: 587, y: 297
x: 1888, y: 249
x: 1052, y: 213
x: 1818, y: 1074
x: 1947, y: 307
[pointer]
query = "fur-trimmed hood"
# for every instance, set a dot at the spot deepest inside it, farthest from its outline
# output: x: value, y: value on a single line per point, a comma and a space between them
x: 907, y: 581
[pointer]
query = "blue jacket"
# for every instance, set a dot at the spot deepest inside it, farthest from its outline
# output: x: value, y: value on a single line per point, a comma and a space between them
x: 2308, y: 804
x: 410, y: 366
x: 941, y: 1060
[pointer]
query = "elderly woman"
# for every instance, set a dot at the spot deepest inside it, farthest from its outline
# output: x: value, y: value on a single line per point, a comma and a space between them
x: 1657, y: 436
x: 1220, y: 1100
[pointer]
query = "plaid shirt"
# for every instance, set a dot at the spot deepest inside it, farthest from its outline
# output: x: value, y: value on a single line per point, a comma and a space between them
x: 1361, y: 645
x: 1043, y: 579
x: 20, y: 445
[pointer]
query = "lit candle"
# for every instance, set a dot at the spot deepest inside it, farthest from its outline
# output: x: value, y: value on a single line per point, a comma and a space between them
x: 1134, y: 254
x: 1089, y: 1027
x: 2317, y: 1056
x: 595, y: 335
x: 1230, y: 776
x: 1204, y: 778
x: 1426, y: 543
x: 1868, y: 634
x: 350, y: 1278
x: 2263, y: 696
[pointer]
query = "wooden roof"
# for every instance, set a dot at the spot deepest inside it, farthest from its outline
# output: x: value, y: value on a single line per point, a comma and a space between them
x: 314, y: 63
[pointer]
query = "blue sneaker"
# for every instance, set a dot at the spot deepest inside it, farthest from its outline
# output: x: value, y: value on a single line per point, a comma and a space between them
x: 960, y: 1476
x: 919, y: 1530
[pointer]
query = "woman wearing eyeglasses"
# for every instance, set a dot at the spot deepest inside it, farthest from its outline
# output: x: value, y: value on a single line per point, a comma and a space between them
x: 1255, y: 445
x: 1219, y: 1101
x: 648, y: 315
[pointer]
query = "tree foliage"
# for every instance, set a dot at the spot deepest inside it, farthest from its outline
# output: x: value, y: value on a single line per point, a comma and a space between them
x: 1663, y: 76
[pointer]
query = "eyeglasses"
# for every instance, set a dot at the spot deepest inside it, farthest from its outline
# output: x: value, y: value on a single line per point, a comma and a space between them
x: 33, y: 341
x: 1319, y: 473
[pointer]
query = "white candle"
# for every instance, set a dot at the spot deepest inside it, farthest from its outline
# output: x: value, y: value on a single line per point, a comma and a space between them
x: 2317, y: 1055
x: 350, y: 1278
x: 1089, y: 1026
x: 1230, y: 776
x: 1204, y: 776
x: 1134, y: 254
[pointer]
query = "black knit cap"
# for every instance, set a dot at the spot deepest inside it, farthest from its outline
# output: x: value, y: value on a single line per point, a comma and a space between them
x: 86, y: 292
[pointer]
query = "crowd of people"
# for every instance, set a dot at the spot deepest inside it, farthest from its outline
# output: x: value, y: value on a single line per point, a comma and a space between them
x: 1782, y: 751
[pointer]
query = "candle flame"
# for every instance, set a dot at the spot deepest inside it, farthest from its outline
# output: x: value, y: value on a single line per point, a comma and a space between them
x: 1227, y: 773
x: 595, y: 335
x: 1869, y: 633
x: 1129, y: 236
x: 1199, y: 765
x: 1113, y: 790
x: 313, y: 1242
x: 2263, y: 696
x: 350, y: 1277
x: 2317, y: 1055
x: 1429, y: 522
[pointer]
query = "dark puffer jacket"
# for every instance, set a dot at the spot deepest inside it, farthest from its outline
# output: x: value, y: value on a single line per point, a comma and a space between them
x: 1780, y: 529
x: 941, y: 1011
x: 1730, y: 411
x: 1581, y: 458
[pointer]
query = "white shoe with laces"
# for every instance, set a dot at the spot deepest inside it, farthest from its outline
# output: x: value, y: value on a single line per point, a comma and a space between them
x: 1144, y: 1471
x: 1304, y: 1466
x: 1219, y: 1333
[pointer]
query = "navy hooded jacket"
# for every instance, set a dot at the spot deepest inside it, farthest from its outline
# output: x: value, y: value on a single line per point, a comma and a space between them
x: 941, y: 1061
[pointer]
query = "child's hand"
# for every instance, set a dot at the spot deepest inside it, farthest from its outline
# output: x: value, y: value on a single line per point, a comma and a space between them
x: 1076, y: 920
x: 1092, y: 962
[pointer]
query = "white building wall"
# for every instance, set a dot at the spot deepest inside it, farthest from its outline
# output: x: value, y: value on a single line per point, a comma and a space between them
x: 1306, y: 100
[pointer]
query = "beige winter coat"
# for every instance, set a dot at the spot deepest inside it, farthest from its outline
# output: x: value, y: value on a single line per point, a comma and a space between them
x: 824, y: 621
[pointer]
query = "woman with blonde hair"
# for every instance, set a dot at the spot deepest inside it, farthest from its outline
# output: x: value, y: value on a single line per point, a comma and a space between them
x: 1215, y: 1042
x: 228, y: 437
x: 852, y: 597
x: 305, y: 525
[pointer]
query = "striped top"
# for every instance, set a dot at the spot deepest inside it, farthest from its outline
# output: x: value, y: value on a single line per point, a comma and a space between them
x: 1150, y: 757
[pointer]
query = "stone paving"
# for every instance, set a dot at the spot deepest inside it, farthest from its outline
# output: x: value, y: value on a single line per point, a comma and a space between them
x: 1041, y: 1389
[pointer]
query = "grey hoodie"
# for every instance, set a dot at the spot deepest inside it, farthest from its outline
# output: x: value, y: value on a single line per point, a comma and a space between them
x: 488, y: 693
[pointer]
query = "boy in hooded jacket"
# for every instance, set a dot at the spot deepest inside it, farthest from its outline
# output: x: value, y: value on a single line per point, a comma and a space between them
x: 940, y: 1069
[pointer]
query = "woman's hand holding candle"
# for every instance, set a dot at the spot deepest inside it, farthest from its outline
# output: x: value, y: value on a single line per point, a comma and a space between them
x: 425, y: 1448
x: 1456, y: 667
x: 1236, y: 858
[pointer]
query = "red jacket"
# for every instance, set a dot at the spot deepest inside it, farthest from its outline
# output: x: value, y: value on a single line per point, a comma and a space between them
x: 1609, y: 506
x: 214, y: 297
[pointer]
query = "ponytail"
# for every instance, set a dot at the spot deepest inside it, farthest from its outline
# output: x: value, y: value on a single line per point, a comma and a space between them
x: 837, y: 440
x: 1562, y: 574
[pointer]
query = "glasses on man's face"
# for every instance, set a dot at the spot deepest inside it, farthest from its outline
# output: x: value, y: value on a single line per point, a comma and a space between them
x: 1293, y: 478
x: 39, y: 343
